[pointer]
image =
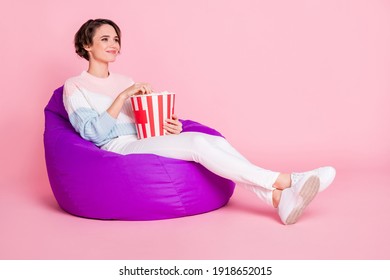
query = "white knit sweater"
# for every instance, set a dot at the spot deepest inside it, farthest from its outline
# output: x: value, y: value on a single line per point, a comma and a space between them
x: 87, y: 98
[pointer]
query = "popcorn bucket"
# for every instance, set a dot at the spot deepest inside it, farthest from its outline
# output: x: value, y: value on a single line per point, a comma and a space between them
x: 150, y: 112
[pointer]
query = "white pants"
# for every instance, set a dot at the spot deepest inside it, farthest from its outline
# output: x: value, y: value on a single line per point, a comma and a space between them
x: 213, y: 152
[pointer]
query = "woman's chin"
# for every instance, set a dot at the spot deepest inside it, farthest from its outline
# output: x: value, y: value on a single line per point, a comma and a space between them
x: 110, y: 60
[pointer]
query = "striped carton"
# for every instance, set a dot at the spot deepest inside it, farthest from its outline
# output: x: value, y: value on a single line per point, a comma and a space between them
x: 150, y: 112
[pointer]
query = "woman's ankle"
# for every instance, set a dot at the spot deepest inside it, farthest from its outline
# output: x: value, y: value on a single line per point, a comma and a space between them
x: 276, y: 195
x: 283, y: 181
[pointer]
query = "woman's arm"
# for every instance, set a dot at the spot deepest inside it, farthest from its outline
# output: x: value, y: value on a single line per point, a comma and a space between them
x: 91, y: 125
x: 137, y: 88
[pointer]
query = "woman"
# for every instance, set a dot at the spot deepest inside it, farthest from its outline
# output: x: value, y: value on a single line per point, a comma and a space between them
x: 97, y: 102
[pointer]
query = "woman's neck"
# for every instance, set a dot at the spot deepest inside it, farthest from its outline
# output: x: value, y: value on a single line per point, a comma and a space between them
x: 99, y: 70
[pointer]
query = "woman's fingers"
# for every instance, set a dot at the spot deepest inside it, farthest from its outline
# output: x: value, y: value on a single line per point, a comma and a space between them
x: 171, y: 129
x: 173, y: 126
x: 147, y: 88
x: 142, y: 88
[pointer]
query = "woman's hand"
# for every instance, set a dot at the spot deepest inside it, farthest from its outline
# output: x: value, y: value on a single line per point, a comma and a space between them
x: 173, y: 126
x: 137, y: 89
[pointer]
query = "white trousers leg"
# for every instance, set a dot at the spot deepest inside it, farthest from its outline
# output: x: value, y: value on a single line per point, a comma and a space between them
x: 213, y: 152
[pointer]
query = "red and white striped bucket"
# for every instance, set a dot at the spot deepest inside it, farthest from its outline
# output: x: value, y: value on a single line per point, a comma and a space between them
x: 150, y: 112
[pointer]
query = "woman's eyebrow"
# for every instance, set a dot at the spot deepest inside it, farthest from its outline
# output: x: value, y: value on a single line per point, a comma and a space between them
x: 107, y: 36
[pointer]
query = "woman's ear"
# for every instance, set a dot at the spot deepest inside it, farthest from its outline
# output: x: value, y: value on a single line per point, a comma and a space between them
x: 87, y: 48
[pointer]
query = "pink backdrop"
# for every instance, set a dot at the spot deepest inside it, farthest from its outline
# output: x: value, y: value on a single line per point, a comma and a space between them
x: 292, y: 84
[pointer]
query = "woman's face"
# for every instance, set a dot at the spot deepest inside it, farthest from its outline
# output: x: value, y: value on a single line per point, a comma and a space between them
x: 105, y: 44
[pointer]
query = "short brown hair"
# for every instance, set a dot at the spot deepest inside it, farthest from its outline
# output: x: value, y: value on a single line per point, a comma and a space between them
x: 85, y: 34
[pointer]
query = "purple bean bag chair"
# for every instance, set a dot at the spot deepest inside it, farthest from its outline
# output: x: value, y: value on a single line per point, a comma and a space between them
x: 93, y: 183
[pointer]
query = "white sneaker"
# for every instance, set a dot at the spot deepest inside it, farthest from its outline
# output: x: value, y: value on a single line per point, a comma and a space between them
x: 326, y: 175
x: 296, y: 198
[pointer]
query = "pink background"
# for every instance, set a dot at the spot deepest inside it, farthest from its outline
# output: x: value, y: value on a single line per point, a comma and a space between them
x: 292, y: 84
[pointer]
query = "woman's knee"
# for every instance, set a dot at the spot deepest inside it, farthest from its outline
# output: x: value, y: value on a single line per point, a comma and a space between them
x: 199, y: 141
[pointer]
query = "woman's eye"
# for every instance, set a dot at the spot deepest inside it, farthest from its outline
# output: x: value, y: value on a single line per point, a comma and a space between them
x: 104, y: 39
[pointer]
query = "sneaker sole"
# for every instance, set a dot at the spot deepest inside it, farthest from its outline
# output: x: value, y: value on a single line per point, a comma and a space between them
x: 308, y: 192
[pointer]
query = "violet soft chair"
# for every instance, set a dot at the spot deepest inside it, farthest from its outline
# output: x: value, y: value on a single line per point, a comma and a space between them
x: 92, y: 183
